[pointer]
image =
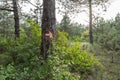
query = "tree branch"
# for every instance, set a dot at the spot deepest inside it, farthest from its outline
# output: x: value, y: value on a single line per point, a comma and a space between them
x: 6, y: 9
x: 34, y: 4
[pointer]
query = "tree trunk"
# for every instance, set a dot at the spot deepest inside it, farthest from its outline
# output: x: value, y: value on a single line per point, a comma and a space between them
x: 48, y: 25
x: 16, y: 19
x: 90, y: 22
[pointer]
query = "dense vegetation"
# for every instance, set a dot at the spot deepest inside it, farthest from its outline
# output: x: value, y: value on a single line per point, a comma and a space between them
x: 70, y: 58
x: 21, y: 60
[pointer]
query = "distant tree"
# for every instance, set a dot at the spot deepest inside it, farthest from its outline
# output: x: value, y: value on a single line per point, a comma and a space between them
x: 65, y: 23
x: 76, y: 29
x: 73, y: 29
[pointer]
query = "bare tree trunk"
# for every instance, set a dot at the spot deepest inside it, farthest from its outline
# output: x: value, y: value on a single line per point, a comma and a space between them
x: 90, y: 22
x: 16, y: 19
x: 48, y: 26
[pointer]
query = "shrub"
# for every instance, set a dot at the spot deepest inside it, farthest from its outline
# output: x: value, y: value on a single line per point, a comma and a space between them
x: 80, y: 61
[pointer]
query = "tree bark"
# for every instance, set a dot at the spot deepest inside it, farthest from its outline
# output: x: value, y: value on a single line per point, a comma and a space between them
x: 16, y: 19
x: 48, y: 24
x: 90, y: 22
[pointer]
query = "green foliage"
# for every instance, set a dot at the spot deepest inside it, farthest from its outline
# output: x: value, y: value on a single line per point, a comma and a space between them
x: 65, y: 23
x: 62, y: 38
x: 20, y: 58
x: 79, y: 60
x: 34, y: 29
x: 107, y: 36
x: 73, y: 29
x: 76, y: 38
x: 6, y: 24
x: 3, y: 45
x: 85, y: 36
x: 7, y: 72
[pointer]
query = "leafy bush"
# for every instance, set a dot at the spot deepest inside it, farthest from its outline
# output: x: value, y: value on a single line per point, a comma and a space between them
x: 79, y: 61
x: 62, y: 38
x: 76, y: 38
x: 85, y: 36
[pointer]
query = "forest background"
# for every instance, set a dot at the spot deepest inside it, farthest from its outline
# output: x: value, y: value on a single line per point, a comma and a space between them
x: 88, y: 50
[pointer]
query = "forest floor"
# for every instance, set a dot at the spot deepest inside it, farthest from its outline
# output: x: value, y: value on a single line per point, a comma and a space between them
x: 111, y: 70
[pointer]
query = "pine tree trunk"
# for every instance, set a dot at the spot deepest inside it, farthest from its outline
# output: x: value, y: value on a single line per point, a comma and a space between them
x: 90, y: 22
x: 16, y: 19
x: 48, y: 24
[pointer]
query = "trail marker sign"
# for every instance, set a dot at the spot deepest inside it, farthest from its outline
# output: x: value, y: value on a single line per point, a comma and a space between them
x: 49, y: 35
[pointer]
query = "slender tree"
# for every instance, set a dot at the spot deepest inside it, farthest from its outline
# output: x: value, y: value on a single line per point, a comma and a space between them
x: 90, y: 22
x: 48, y: 26
x: 16, y: 19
